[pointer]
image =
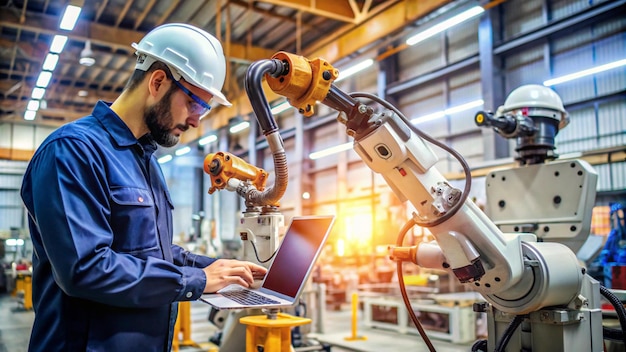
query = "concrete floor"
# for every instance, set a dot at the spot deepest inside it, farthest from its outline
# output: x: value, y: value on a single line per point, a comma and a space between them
x: 15, y: 327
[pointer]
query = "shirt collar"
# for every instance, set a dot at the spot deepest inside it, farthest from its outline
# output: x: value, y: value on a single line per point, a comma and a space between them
x: 113, y: 124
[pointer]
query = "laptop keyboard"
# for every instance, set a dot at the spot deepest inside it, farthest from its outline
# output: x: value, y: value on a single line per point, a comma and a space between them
x: 248, y: 298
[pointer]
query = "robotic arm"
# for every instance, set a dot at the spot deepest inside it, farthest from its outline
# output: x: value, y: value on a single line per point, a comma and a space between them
x: 510, y: 271
x: 521, y: 278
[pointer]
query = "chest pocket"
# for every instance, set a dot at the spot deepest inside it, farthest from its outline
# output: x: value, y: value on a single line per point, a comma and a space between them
x: 133, y: 219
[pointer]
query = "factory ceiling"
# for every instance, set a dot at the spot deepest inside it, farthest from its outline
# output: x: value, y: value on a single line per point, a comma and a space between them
x: 249, y: 30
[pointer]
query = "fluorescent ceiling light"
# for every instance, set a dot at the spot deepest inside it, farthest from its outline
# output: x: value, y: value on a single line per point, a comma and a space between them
x: 354, y: 69
x: 58, y: 43
x: 239, y: 127
x: 438, y: 28
x: 14, y: 242
x: 182, y: 151
x: 164, y: 159
x: 38, y: 93
x: 330, y: 151
x: 30, y: 115
x: 51, y: 62
x: 33, y: 105
x: 449, y: 111
x: 583, y: 73
x: 208, y: 139
x: 70, y: 16
x: 284, y: 106
x: 44, y: 79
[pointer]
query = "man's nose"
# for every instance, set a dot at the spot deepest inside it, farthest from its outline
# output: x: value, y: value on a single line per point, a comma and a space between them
x: 193, y: 121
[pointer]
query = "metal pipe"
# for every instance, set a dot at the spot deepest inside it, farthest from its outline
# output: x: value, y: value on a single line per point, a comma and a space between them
x: 254, y: 89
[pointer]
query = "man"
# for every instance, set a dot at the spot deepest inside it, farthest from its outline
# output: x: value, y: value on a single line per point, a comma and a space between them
x: 105, y: 273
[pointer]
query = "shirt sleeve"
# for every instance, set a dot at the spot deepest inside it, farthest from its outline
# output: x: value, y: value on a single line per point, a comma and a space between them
x: 183, y: 257
x: 70, y: 206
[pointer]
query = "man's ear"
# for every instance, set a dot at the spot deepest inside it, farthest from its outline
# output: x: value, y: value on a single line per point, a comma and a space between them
x: 156, y: 81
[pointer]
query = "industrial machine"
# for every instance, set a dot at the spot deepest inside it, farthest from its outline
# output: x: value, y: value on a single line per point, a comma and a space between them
x: 523, y: 262
x: 259, y: 227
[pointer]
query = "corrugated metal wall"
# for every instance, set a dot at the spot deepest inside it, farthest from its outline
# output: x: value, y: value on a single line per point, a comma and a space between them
x: 12, y: 211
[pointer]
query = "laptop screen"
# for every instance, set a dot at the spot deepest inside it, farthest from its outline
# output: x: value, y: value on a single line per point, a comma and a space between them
x: 297, y: 253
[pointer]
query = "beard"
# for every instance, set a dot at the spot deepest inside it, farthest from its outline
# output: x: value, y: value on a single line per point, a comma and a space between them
x: 158, y: 118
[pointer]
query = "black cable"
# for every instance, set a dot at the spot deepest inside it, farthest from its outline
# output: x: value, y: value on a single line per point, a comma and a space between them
x: 256, y: 254
x: 423, y: 135
x: 405, y: 296
x: 612, y: 334
x: 508, y: 333
x: 479, y: 346
x: 619, y: 309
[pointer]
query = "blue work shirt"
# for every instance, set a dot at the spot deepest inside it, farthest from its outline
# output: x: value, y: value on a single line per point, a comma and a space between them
x: 106, y: 275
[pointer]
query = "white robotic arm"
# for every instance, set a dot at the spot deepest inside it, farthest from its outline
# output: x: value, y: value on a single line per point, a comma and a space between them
x: 513, y: 272
x: 510, y: 270
x: 521, y: 278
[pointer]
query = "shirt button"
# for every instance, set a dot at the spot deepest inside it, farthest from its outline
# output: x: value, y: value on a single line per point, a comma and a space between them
x: 140, y: 199
x: 189, y: 294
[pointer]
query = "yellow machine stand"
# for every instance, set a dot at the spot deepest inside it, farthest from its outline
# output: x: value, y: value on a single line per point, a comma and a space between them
x: 182, y: 331
x: 24, y: 289
x: 271, y: 332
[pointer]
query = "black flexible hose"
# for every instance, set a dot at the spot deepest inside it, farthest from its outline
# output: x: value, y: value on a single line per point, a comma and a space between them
x: 405, y: 296
x: 619, y: 309
x: 254, y: 89
x: 479, y: 346
x: 508, y: 333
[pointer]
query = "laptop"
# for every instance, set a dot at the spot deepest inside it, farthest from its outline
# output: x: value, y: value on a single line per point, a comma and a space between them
x: 288, y: 272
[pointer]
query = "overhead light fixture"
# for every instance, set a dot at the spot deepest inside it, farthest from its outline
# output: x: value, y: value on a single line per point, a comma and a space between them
x: 70, y: 16
x: 33, y: 105
x: 208, y: 139
x: 239, y: 127
x: 38, y: 93
x: 86, y: 56
x: 284, y: 106
x: 343, y: 74
x: 165, y: 158
x: 448, y: 111
x: 330, y: 151
x: 30, y: 115
x: 449, y: 23
x: 50, y: 63
x: 82, y: 93
x: 58, y: 43
x: 182, y: 151
x: 44, y: 79
x: 583, y: 73
x: 14, y: 242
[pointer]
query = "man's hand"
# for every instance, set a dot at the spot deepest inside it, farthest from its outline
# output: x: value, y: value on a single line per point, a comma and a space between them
x: 224, y: 272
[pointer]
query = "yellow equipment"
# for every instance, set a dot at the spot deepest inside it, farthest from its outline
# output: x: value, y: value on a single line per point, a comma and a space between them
x: 270, y: 332
x: 222, y: 167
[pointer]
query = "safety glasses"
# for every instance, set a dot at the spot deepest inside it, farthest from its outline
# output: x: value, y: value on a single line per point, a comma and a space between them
x: 197, y: 106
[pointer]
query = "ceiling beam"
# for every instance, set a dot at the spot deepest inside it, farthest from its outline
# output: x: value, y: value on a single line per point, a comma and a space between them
x: 340, y: 10
x: 117, y: 38
x: 382, y: 24
x: 385, y: 23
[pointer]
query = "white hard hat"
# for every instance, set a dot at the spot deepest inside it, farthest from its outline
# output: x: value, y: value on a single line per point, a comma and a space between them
x: 190, y: 52
x: 536, y: 100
